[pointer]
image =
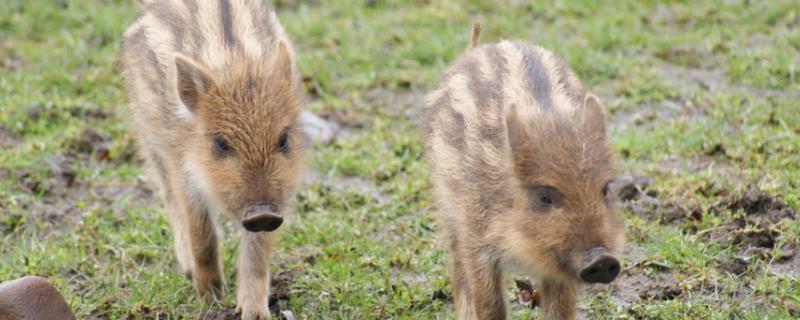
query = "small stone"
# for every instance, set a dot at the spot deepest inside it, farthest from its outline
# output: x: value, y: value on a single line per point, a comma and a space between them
x: 288, y: 315
x: 32, y: 297
x: 318, y: 130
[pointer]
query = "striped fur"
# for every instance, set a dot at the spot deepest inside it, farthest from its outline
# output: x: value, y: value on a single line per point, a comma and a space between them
x: 201, y: 72
x: 506, y: 121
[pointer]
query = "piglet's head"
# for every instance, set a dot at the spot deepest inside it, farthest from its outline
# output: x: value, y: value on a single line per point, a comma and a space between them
x: 564, y: 222
x: 246, y: 149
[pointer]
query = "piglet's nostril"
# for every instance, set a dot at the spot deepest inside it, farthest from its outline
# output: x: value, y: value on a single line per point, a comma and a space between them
x: 603, y: 269
x: 262, y: 217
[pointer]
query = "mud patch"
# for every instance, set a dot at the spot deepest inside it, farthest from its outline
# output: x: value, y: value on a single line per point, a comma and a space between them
x: 689, y: 80
x: 756, y: 207
x: 404, y: 271
x: 281, y: 290
x: 51, y: 112
x: 629, y: 186
x: 57, y: 192
x: 222, y: 314
x: 12, y: 62
x: 789, y: 267
x: 406, y: 103
x: 362, y: 186
x: 754, y: 231
x: 57, y: 179
x: 735, y: 265
x: 8, y: 139
x: 318, y: 130
x: 632, y: 288
x: 641, y: 201
x: 91, y: 144
x: 306, y: 253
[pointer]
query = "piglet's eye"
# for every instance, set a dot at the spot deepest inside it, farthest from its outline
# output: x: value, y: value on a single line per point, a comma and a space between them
x: 220, y: 146
x: 606, y: 191
x: 544, y: 198
x: 283, y: 142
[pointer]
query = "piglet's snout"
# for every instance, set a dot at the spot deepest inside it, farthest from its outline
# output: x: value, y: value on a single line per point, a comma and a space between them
x: 262, y: 217
x: 600, y: 266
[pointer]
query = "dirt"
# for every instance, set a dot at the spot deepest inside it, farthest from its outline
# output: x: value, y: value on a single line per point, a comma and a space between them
x: 713, y: 79
x: 59, y: 189
x: 59, y: 177
x: 221, y: 314
x: 12, y: 62
x: 407, y: 103
x: 362, y: 186
x: 8, y: 139
x: 755, y: 229
x: 91, y: 143
x: 629, y: 186
x: 281, y: 289
x: 634, y: 286
x: 787, y: 268
x: 752, y: 230
x: 52, y: 112
x: 735, y: 265
x: 633, y: 191
x: 757, y: 208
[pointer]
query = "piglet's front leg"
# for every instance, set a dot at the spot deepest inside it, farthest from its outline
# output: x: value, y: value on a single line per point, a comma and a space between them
x: 253, y: 279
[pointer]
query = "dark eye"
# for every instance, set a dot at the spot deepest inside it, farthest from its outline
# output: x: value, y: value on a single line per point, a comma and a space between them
x: 605, y: 191
x: 220, y: 147
x: 283, y: 142
x: 545, y: 198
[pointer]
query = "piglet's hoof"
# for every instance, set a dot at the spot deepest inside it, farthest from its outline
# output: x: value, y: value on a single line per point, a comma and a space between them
x: 262, y: 217
x: 32, y: 297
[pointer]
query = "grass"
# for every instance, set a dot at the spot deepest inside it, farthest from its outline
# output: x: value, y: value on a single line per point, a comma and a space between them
x: 703, y: 102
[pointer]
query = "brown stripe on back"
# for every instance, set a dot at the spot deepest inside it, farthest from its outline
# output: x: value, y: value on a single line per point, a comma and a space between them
x: 448, y: 120
x: 488, y: 93
x: 263, y: 25
x: 455, y: 131
x: 227, y: 23
x: 191, y: 4
x: 193, y: 27
x: 138, y: 51
x: 565, y: 78
x: 167, y: 14
x: 536, y: 78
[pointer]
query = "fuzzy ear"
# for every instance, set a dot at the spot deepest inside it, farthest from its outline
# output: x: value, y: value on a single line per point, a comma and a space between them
x: 593, y: 115
x: 476, y: 36
x: 283, y: 61
x: 192, y: 81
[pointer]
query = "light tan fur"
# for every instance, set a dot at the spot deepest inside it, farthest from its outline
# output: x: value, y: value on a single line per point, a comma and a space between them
x: 508, y: 127
x: 213, y: 95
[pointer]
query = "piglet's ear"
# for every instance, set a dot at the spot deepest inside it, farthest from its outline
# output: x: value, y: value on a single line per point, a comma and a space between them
x: 192, y: 81
x: 593, y: 115
x: 283, y: 61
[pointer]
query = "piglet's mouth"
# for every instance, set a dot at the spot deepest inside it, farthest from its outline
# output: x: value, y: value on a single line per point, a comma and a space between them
x: 262, y: 217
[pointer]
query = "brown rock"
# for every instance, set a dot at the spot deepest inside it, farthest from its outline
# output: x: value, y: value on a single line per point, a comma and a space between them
x: 32, y: 298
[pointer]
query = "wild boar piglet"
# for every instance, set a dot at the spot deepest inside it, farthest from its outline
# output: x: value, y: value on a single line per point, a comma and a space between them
x: 521, y: 168
x: 214, y: 100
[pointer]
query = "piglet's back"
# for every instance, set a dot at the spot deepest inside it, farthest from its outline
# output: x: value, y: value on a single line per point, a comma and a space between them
x: 216, y: 34
x: 467, y: 140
